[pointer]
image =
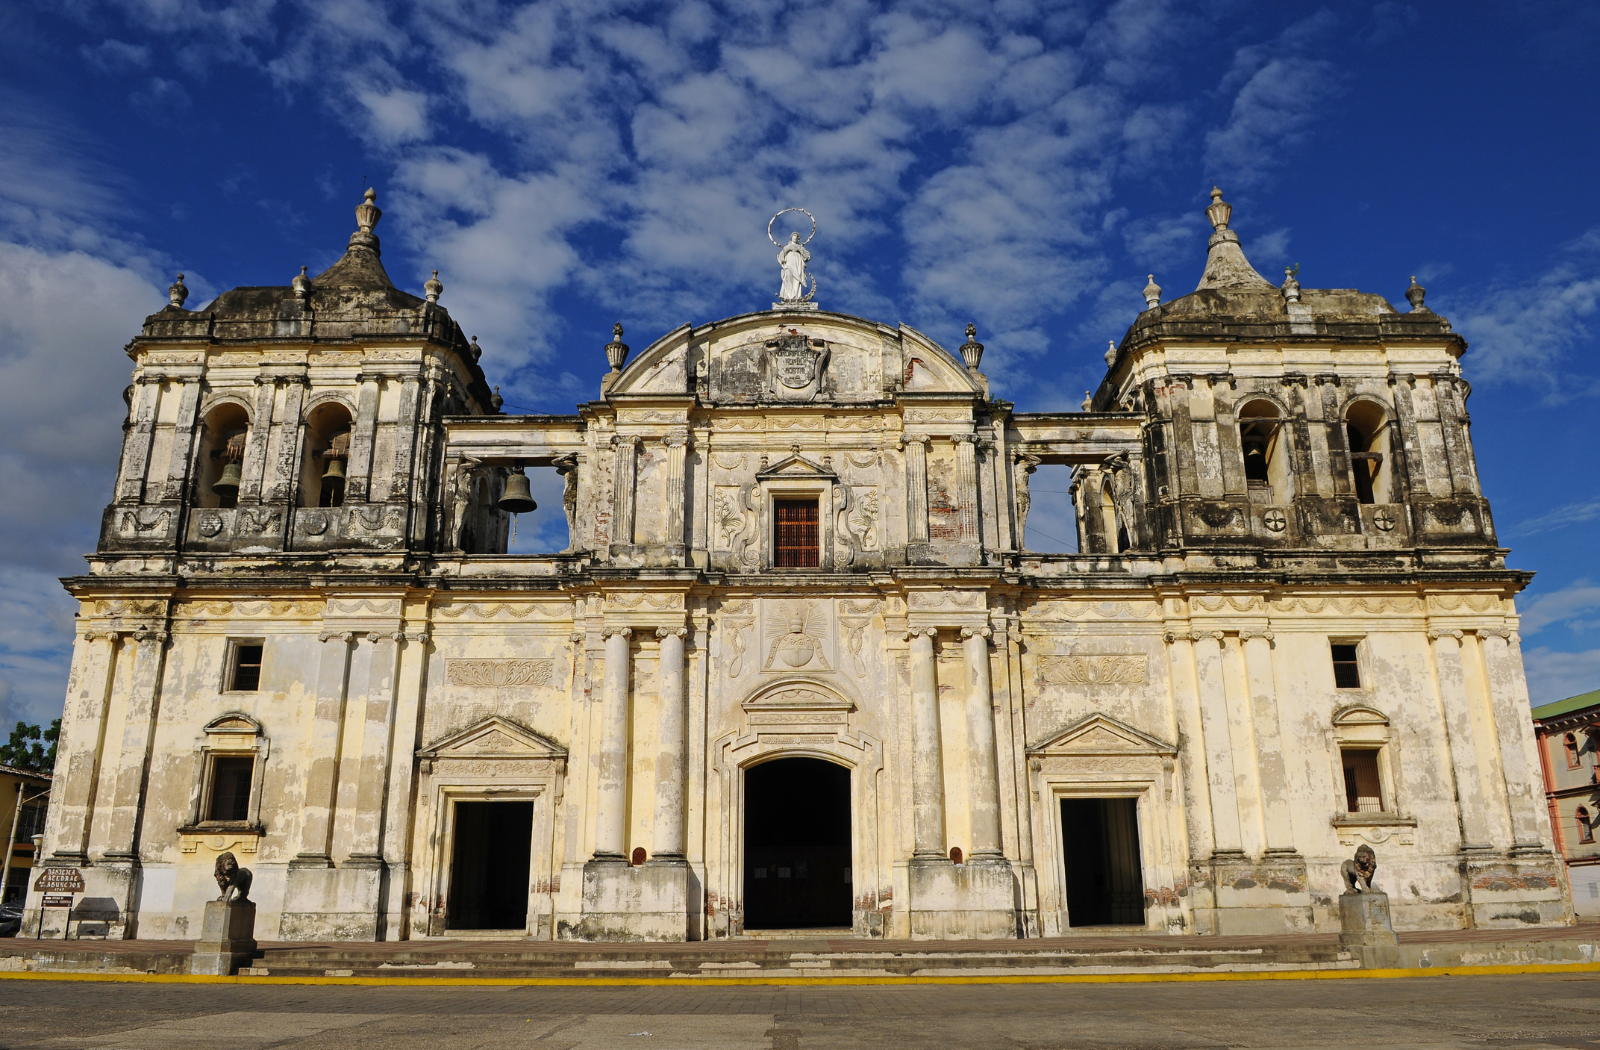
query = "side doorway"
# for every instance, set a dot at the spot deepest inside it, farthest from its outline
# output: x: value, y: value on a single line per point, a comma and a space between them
x: 1100, y: 848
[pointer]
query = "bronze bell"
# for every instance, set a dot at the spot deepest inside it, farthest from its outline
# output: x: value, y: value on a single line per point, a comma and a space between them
x: 228, y: 484
x: 517, y: 497
x: 335, y: 471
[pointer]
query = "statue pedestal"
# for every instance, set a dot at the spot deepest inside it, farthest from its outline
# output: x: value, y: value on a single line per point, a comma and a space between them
x: 1366, y: 931
x: 781, y: 305
x: 227, y: 938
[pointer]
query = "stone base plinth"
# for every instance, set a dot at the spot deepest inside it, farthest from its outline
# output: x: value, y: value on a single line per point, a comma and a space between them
x: 1366, y: 930
x: 971, y: 901
x: 322, y: 902
x: 227, y: 938
x: 626, y: 903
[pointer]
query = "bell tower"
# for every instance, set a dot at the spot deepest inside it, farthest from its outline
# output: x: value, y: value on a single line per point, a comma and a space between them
x: 298, y: 418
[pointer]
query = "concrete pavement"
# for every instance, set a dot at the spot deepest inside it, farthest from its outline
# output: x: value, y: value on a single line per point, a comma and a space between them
x: 1504, y: 1013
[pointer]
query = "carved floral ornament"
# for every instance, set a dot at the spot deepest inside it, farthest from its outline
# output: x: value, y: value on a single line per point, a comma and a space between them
x: 499, y: 674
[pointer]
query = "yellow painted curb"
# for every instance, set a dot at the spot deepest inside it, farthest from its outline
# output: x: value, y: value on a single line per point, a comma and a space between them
x: 813, y: 982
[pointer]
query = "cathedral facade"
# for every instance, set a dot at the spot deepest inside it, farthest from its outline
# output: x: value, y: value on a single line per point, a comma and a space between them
x: 796, y: 667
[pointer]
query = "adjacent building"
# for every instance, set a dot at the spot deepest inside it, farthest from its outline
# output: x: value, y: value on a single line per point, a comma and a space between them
x: 24, y: 799
x: 1568, y: 732
x: 795, y: 665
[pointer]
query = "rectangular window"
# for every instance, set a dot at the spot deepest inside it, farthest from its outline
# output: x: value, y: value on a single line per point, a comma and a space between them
x: 244, y: 676
x: 796, y: 545
x: 230, y: 787
x: 1346, y: 669
x: 1363, y: 792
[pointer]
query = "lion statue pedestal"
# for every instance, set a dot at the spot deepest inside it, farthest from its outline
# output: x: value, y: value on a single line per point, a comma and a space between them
x: 1365, y: 929
x: 228, y: 934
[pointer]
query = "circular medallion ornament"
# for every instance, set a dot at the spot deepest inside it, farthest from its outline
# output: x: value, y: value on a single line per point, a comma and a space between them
x: 316, y: 524
x: 1383, y: 519
x: 1275, y: 520
x: 210, y: 525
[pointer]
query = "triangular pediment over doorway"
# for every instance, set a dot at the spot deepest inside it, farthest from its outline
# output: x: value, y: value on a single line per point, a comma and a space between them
x: 495, y: 737
x: 1101, y: 735
x: 797, y: 466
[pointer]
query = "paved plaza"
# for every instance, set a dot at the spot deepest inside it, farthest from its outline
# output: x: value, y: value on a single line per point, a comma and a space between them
x: 1560, y: 1010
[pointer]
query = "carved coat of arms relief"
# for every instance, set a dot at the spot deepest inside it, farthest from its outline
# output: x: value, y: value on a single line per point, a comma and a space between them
x: 795, y: 366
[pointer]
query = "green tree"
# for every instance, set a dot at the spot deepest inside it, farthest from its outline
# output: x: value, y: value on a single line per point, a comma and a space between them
x: 25, y: 750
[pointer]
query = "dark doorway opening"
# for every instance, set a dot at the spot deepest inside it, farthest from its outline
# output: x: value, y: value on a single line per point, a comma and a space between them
x: 489, y: 867
x: 797, y: 845
x: 1100, y: 841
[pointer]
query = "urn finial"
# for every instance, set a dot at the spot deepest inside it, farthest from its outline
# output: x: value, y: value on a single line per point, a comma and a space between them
x: 616, y: 350
x: 178, y: 291
x: 1111, y: 352
x: 1291, y: 286
x: 368, y: 213
x: 302, y: 285
x: 1414, y: 295
x: 433, y: 288
x: 972, y: 350
x: 1219, y: 212
x: 495, y: 400
x: 475, y: 349
x: 1152, y: 294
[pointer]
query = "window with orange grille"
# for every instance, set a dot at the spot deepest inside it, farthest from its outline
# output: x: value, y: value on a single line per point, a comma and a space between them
x: 796, y: 546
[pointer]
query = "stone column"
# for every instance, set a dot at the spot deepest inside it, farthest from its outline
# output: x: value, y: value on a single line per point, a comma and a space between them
x: 1457, y: 714
x: 967, y: 487
x: 917, y: 489
x: 136, y: 444
x: 1508, y: 698
x: 927, y: 774
x: 322, y: 779
x: 405, y: 439
x: 362, y: 437
x: 983, y: 767
x: 1269, y: 744
x: 286, y: 447
x: 138, y: 725
x: 624, y: 482
x: 255, y: 447
x: 1217, y: 742
x: 179, y: 462
x: 366, y: 846
x: 1241, y: 734
x: 677, y: 446
x: 611, y: 798
x: 668, y: 831
x: 78, y: 759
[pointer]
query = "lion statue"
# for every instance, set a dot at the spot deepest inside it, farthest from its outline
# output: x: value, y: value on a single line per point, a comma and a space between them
x: 232, y: 880
x: 1358, y: 873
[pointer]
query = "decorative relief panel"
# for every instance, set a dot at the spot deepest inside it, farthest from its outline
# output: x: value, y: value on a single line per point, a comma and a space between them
x: 796, y: 635
x: 497, y: 674
x: 1092, y: 669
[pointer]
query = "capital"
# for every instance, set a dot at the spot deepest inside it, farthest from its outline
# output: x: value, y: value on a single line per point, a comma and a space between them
x: 976, y: 632
x: 1436, y: 633
x: 626, y: 632
x: 672, y: 632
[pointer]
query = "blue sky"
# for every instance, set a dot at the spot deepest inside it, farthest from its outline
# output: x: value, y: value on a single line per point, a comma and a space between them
x: 566, y: 165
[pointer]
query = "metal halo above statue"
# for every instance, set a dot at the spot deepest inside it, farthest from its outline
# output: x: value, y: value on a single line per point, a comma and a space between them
x: 785, y: 211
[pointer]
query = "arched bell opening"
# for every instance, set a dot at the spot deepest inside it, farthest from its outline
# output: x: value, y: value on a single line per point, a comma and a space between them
x: 220, y: 463
x: 797, y: 845
x: 327, y: 457
x: 1266, y: 461
x: 1367, y: 431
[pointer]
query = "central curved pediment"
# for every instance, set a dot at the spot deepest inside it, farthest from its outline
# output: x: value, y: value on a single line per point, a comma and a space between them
x: 786, y: 357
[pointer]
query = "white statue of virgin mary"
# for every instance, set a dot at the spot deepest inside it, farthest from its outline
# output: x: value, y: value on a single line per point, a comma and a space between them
x: 792, y: 259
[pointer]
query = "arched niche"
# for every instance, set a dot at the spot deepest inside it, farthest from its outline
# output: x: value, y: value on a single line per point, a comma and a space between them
x: 223, y: 433
x: 327, y: 454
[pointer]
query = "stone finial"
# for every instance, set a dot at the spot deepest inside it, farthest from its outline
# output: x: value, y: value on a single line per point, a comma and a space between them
x: 368, y: 213
x: 475, y: 350
x: 302, y: 285
x: 1111, y: 352
x: 433, y: 289
x: 1291, y: 287
x: 1414, y: 296
x: 495, y: 401
x: 1219, y: 212
x: 1088, y: 400
x: 972, y: 350
x: 178, y: 291
x: 616, y: 350
x: 1152, y: 294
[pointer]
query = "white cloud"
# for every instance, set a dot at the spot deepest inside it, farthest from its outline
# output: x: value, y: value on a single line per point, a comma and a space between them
x: 1560, y: 606
x: 1555, y: 676
x: 1560, y: 518
x: 396, y: 116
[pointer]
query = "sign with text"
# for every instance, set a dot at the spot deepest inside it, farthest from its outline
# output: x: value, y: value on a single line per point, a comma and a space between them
x: 60, y: 880
x: 53, y: 901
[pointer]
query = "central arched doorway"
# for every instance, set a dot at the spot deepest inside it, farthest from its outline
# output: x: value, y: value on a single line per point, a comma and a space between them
x: 797, y: 872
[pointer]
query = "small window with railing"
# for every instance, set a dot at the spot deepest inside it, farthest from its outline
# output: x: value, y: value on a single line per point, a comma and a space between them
x: 795, y: 541
x: 1346, y: 666
x: 1363, y: 787
x: 1585, y: 825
